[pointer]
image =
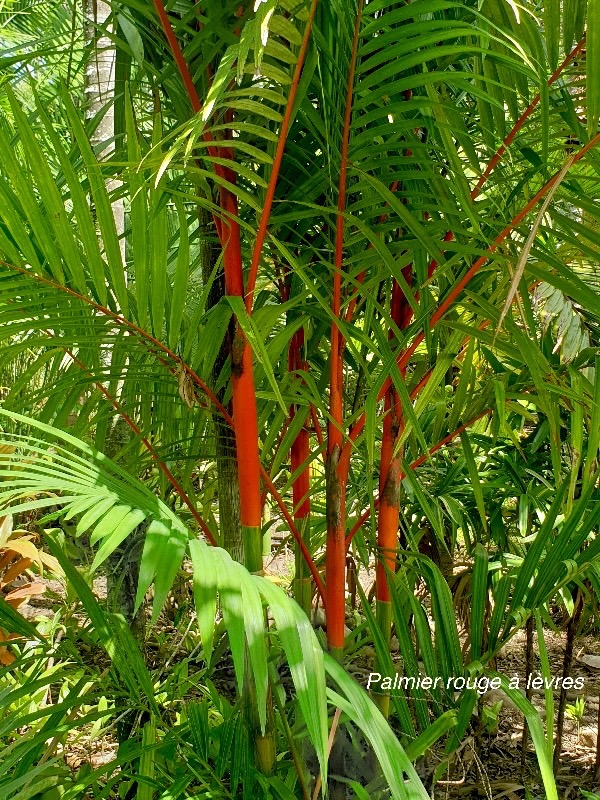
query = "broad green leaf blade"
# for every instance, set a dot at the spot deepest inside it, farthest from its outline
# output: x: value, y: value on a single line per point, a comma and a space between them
x: 357, y: 705
x: 305, y: 659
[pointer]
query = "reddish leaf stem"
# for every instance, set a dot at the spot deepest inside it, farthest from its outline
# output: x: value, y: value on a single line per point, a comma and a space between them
x: 145, y: 441
x: 296, y: 534
x: 335, y: 552
x: 523, y: 118
x: 178, y: 56
x: 131, y: 326
x: 458, y: 287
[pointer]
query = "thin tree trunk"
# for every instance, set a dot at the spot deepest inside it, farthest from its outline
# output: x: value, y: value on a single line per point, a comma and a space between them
x: 389, y: 515
x: 567, y: 663
x: 235, y: 536
x: 100, y: 73
x: 229, y: 492
x: 245, y: 418
x: 390, y: 479
x: 225, y: 449
x: 528, y: 690
x: 123, y: 572
x: 300, y: 453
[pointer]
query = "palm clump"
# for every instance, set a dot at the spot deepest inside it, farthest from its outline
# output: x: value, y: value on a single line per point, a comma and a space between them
x: 352, y: 297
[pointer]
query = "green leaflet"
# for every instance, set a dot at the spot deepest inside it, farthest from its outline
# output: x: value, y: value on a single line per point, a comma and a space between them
x: 164, y: 548
x: 306, y: 660
x: 478, y: 599
x: 205, y: 592
x: 474, y: 477
x: 114, y: 635
x: 537, y: 735
x: 357, y: 705
x: 117, y: 505
x: 592, y: 62
x: 147, y: 769
x: 104, y: 212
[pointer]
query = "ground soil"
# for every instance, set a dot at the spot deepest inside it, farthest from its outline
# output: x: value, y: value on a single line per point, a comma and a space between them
x: 493, y: 765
